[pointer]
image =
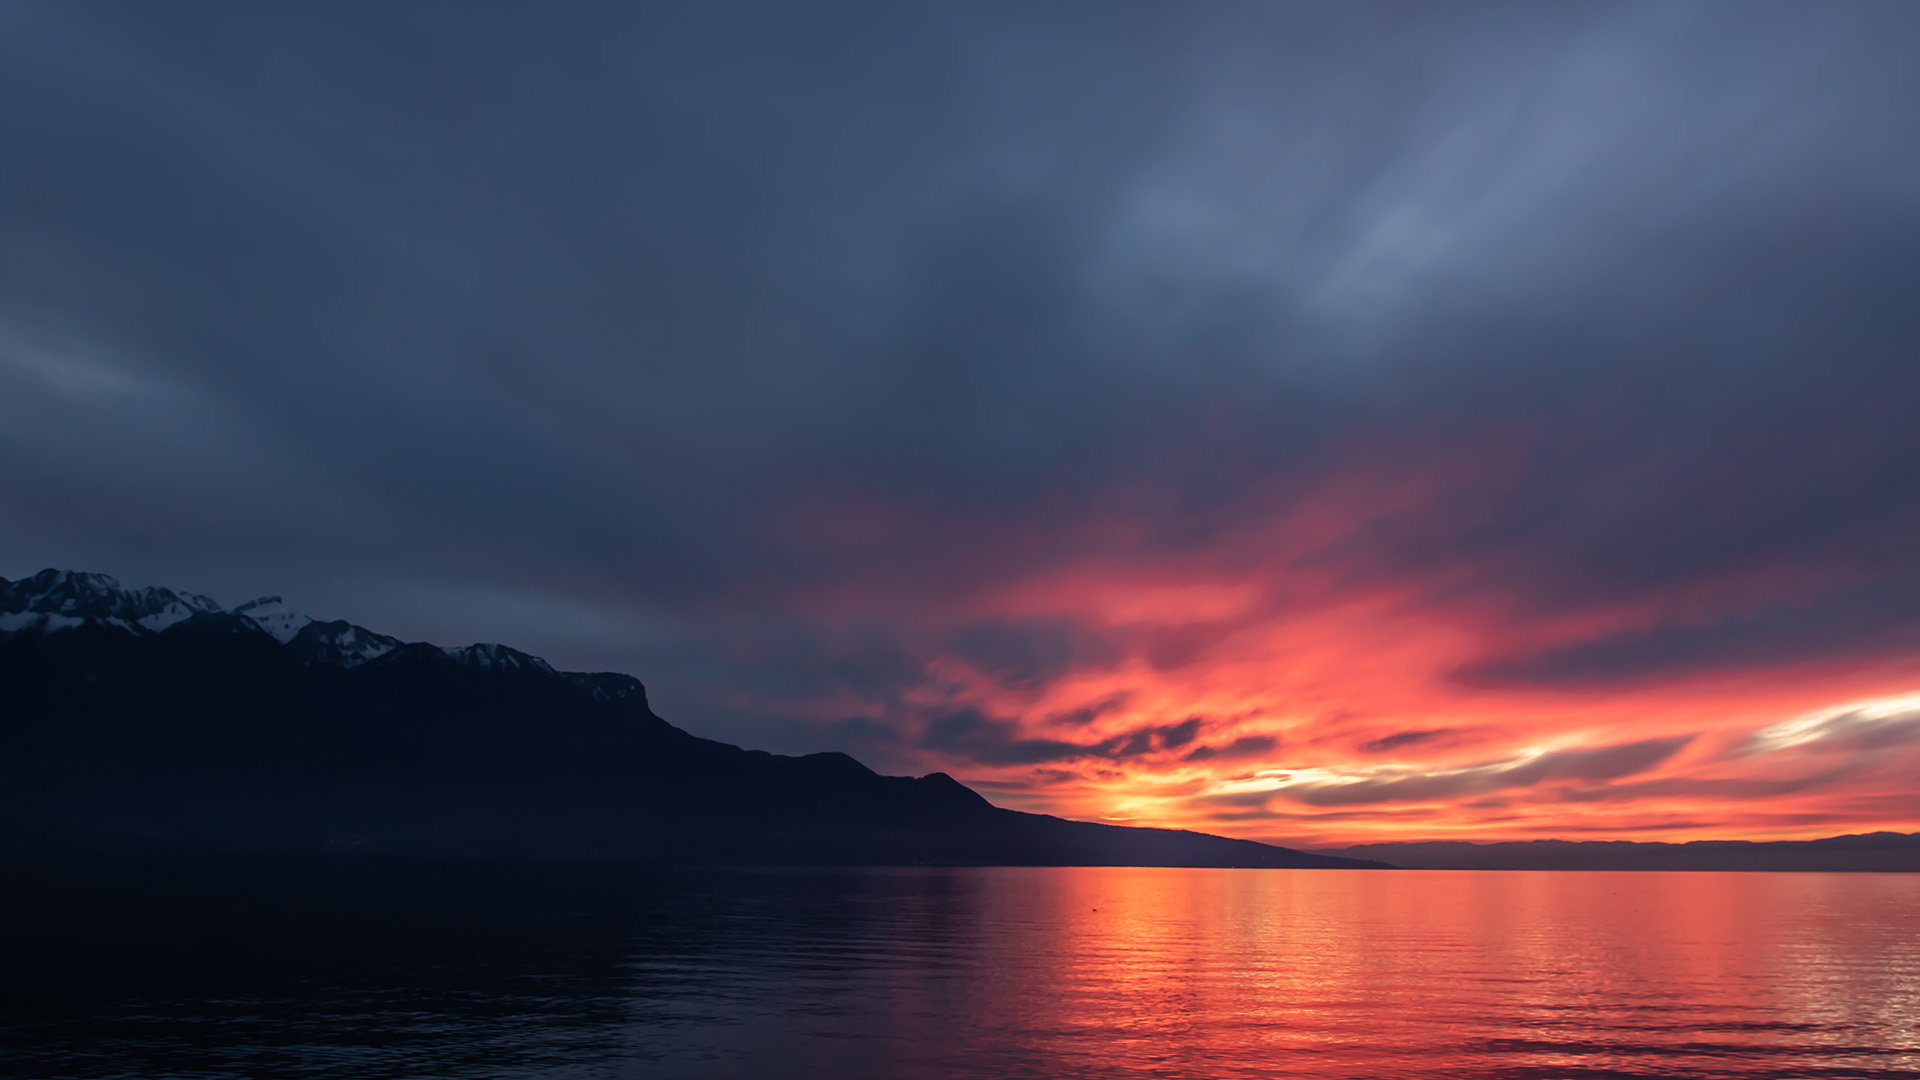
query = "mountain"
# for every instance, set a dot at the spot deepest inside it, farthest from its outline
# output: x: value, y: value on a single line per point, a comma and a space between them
x: 1880, y: 851
x: 58, y: 600
x: 160, y: 721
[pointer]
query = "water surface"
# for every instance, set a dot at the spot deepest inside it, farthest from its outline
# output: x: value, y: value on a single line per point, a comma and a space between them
x: 392, y: 970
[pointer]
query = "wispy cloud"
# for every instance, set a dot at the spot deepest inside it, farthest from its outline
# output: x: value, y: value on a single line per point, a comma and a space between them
x: 1344, y: 787
x: 1856, y: 728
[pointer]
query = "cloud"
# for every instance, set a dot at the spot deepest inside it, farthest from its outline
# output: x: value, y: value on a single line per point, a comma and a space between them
x: 1240, y: 749
x: 1391, y: 784
x: 972, y: 736
x: 1859, y: 728
x: 1016, y: 382
x: 1403, y: 739
x: 1028, y: 652
x: 1087, y: 714
x: 1804, y: 632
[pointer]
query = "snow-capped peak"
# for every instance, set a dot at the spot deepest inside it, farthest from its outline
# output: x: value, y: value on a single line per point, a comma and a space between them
x: 60, y: 599
x: 339, y: 643
x: 275, y: 617
x: 490, y: 657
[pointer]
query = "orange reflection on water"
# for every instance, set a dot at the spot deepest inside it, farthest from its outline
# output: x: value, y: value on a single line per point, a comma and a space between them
x: 973, y: 974
x: 1415, y: 973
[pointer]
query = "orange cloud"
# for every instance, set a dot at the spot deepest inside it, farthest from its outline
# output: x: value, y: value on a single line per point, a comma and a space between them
x: 1348, y: 662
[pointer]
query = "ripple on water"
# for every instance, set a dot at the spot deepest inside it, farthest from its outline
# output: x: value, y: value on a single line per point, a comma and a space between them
x: 293, y: 969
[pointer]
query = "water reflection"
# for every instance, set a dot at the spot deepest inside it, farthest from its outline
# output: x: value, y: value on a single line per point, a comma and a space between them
x: 382, y: 970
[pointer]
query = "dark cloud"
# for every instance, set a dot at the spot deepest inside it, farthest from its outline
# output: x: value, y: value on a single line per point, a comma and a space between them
x: 1401, y: 740
x: 1087, y: 714
x: 1240, y: 749
x: 987, y: 740
x: 1744, y: 789
x: 1175, y: 736
x: 1029, y: 654
x: 1169, y: 648
x: 750, y: 348
x: 969, y: 735
x: 1883, y: 617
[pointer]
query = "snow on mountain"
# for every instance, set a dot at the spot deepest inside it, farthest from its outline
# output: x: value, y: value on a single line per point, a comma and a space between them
x: 46, y: 622
x: 490, y: 657
x: 275, y: 617
x: 339, y: 643
x: 62, y: 599
x: 172, y: 613
x: 56, y: 600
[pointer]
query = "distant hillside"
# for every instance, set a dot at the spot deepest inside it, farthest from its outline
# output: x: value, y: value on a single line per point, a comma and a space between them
x: 1867, y: 852
x: 152, y: 720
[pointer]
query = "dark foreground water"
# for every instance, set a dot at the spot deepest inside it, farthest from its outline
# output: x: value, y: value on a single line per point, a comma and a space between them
x: 368, y: 969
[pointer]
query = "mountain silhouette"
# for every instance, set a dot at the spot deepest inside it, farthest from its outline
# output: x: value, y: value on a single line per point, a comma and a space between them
x: 1875, y: 852
x: 151, y: 720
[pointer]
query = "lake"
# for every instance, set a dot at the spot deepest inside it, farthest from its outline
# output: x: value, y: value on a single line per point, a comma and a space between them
x: 362, y: 968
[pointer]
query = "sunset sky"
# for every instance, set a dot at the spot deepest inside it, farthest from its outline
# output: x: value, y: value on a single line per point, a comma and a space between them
x: 1316, y: 423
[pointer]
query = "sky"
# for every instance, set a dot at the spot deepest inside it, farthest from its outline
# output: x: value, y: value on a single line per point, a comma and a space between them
x: 1315, y: 423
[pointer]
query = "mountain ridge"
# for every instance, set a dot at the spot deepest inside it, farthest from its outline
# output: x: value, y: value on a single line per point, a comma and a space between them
x: 53, y: 600
x: 208, y: 729
x: 1873, y: 852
